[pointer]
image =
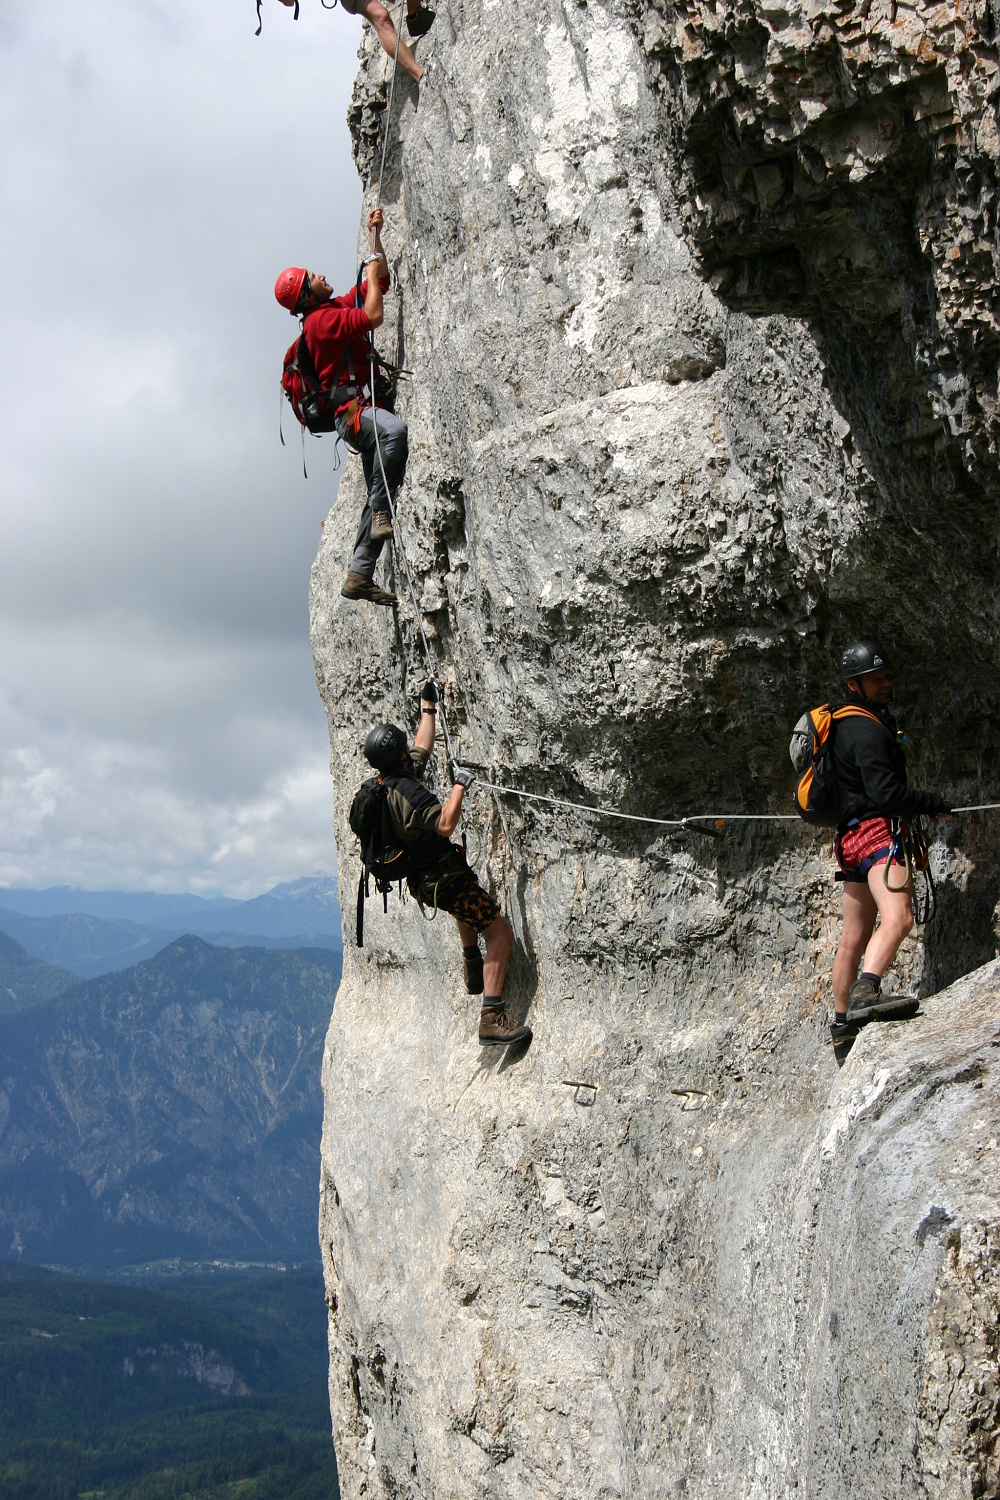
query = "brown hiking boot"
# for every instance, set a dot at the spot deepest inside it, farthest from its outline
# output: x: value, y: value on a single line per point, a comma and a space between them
x: 472, y: 967
x: 867, y: 1003
x: 381, y: 526
x: 357, y: 586
x: 497, y: 1030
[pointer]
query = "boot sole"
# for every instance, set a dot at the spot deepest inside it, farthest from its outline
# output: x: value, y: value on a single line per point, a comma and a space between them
x: 896, y: 1010
x: 889, y: 1010
x: 389, y: 603
x: 524, y: 1035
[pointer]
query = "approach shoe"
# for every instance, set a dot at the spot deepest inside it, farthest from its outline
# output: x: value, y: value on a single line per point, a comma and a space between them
x: 843, y: 1035
x: 357, y: 586
x: 381, y: 526
x: 497, y: 1030
x: 472, y: 968
x: 867, y: 1003
x: 420, y: 21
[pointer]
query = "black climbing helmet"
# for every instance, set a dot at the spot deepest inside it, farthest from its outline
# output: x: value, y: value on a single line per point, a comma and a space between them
x: 385, y: 746
x: 862, y: 657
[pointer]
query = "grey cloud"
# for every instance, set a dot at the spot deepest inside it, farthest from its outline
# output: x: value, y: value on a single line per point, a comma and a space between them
x: 158, y: 709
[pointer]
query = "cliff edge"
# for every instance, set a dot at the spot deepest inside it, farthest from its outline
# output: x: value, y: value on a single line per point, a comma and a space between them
x: 699, y: 303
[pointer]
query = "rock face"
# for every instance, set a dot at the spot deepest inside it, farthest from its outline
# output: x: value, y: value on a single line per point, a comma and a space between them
x: 699, y: 306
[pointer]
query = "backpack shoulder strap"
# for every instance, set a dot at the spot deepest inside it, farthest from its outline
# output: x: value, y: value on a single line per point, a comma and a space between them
x: 307, y: 365
x: 309, y: 373
x: 854, y: 711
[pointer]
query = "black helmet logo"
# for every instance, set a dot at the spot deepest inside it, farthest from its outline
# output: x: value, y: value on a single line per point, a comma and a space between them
x: 862, y: 657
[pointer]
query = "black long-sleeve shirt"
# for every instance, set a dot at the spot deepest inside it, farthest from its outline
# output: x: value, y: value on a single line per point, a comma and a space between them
x: 871, y: 769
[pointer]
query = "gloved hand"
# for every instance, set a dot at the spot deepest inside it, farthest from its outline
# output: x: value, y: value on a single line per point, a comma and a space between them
x: 431, y: 692
x: 459, y: 776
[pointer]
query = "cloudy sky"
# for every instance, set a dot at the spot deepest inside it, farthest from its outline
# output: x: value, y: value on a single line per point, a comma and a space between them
x: 159, y: 722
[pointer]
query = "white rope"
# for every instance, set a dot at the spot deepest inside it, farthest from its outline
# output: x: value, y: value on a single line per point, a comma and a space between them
x: 407, y: 578
x: 610, y: 812
x: 388, y: 107
x: 691, y: 819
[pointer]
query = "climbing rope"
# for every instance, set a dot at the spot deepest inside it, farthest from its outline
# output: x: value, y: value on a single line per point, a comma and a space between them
x: 397, y: 544
x: 610, y: 812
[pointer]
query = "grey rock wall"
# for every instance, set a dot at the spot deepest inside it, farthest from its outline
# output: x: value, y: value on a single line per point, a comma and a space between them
x: 641, y: 515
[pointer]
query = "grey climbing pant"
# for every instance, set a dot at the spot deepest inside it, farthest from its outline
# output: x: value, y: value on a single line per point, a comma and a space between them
x: 393, y: 443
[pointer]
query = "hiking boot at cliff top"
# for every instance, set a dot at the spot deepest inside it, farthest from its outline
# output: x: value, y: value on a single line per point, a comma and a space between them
x: 867, y: 1003
x: 381, y: 526
x: 357, y: 586
x: 496, y: 1029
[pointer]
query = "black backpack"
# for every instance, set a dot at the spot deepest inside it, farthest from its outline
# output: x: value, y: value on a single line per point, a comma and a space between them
x: 383, y: 858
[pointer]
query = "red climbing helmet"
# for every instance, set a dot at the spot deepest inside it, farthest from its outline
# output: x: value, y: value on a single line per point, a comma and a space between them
x: 288, y: 287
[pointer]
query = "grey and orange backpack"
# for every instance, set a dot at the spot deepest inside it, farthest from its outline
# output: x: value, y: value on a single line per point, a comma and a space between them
x: 817, y: 791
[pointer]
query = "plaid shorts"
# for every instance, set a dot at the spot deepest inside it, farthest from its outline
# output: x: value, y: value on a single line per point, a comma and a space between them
x: 460, y: 894
x: 861, y: 847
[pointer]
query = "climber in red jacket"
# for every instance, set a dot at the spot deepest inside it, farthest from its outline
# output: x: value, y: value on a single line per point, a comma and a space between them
x: 419, y: 20
x: 338, y: 334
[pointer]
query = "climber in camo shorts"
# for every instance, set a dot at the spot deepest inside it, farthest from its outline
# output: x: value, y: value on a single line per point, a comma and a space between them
x: 443, y: 879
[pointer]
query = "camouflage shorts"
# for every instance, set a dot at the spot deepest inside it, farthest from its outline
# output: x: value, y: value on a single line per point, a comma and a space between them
x: 462, y: 896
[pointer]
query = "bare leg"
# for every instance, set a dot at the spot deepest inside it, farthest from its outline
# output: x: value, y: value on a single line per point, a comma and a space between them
x: 860, y: 912
x: 499, y: 944
x: 895, y: 910
x: 376, y: 13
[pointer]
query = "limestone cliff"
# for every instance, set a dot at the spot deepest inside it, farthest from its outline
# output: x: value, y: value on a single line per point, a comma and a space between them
x: 700, y: 305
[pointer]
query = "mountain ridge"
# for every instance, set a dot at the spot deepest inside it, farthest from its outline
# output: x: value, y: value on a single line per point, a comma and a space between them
x: 169, y: 1110
x: 89, y: 933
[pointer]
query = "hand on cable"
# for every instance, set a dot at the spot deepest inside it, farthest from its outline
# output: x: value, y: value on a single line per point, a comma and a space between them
x: 375, y: 220
x: 460, y: 776
x: 431, y: 693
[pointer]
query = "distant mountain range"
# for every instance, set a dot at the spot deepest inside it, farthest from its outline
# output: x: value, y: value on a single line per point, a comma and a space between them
x: 170, y: 1111
x: 98, y: 932
x: 25, y: 982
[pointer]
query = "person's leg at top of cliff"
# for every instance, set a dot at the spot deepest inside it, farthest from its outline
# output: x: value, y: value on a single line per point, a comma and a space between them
x: 871, y: 775
x: 418, y: 22
x: 338, y: 333
x: 440, y: 876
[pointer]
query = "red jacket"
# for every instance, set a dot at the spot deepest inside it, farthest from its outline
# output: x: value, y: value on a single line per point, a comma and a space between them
x: 335, y: 326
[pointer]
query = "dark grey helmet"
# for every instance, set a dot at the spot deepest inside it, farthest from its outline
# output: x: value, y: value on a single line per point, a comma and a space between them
x: 384, y: 747
x: 862, y: 657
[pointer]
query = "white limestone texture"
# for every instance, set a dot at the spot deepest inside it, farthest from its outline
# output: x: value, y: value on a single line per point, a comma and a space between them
x: 656, y: 481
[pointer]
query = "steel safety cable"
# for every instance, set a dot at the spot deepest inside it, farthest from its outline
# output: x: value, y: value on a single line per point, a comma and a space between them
x: 690, y: 820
